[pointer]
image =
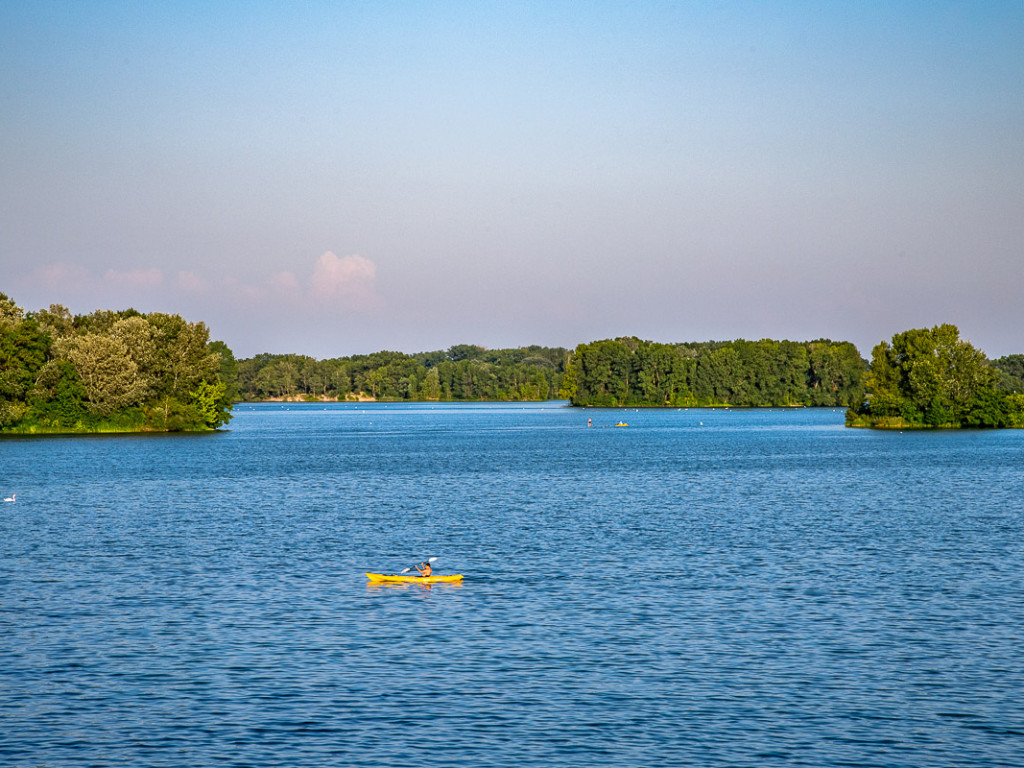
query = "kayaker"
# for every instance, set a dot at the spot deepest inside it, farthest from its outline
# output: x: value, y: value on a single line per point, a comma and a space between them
x: 424, y: 569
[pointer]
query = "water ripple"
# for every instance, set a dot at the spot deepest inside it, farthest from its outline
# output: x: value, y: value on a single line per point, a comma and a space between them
x: 763, y: 588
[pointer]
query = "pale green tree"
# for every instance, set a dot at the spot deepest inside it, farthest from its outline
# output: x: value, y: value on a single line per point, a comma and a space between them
x: 105, y: 368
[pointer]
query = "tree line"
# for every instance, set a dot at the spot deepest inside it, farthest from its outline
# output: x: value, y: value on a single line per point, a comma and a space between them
x: 619, y: 372
x: 129, y: 371
x: 929, y: 377
x: 462, y: 372
x: 110, y: 371
x: 632, y: 372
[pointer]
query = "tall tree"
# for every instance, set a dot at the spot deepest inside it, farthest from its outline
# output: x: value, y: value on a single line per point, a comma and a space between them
x: 104, y: 366
x: 928, y: 377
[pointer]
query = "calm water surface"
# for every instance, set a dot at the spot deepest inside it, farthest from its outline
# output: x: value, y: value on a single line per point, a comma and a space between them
x: 716, y: 588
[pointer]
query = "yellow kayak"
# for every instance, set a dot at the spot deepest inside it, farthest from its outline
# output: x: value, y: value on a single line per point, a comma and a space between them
x: 402, y: 578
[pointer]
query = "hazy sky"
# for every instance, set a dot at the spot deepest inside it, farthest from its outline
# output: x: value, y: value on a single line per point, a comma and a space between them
x: 333, y: 178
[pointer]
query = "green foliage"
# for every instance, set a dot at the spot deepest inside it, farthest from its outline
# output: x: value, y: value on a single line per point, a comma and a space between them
x: 23, y: 345
x: 58, y: 399
x: 929, y: 377
x: 109, y: 371
x: 228, y: 373
x: 1015, y: 410
x: 10, y: 313
x: 206, y: 401
x: 1011, y: 373
x: 463, y: 372
x: 112, y: 379
x: 631, y: 372
x: 988, y: 408
x: 625, y: 371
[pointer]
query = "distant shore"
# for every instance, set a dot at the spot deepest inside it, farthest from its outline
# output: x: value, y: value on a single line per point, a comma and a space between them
x: 360, y: 398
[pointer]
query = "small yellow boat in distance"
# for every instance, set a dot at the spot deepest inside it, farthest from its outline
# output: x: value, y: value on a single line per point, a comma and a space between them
x: 622, y: 424
x: 399, y: 578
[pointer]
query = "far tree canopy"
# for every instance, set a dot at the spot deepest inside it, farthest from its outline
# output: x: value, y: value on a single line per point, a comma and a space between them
x: 632, y: 372
x: 462, y: 372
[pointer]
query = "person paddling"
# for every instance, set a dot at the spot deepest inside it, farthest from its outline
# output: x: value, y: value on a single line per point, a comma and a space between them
x: 424, y: 569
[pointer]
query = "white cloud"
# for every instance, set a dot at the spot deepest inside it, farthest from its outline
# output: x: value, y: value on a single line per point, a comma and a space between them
x: 347, y: 283
x: 350, y: 280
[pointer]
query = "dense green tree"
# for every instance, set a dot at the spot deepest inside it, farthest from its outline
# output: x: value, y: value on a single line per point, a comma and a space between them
x: 111, y: 378
x: 628, y: 371
x: 463, y: 372
x: 929, y: 377
x: 57, y: 321
x: 988, y: 408
x: 835, y: 367
x: 183, y: 357
x: 207, y: 399
x: 107, y: 371
x: 464, y: 352
x: 139, y: 338
x: 58, y: 396
x: 228, y: 371
x: 23, y: 346
x: 1011, y: 373
x: 430, y: 388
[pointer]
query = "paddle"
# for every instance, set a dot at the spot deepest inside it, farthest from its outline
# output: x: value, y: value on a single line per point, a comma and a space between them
x: 413, y: 566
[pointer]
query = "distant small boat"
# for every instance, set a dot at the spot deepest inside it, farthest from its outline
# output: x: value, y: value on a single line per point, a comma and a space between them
x: 622, y: 424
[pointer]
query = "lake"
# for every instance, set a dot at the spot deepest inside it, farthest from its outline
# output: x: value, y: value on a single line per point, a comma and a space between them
x: 700, y: 587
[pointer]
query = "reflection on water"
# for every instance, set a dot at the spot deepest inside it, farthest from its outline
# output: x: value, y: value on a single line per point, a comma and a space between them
x: 373, y: 586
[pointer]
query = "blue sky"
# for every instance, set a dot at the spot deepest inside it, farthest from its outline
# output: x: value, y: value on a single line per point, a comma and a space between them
x: 335, y: 178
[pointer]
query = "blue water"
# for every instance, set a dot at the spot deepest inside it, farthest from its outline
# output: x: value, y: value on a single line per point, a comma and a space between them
x: 702, y: 587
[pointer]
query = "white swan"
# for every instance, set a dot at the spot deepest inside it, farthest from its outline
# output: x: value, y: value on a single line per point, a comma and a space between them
x: 12, y: 497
